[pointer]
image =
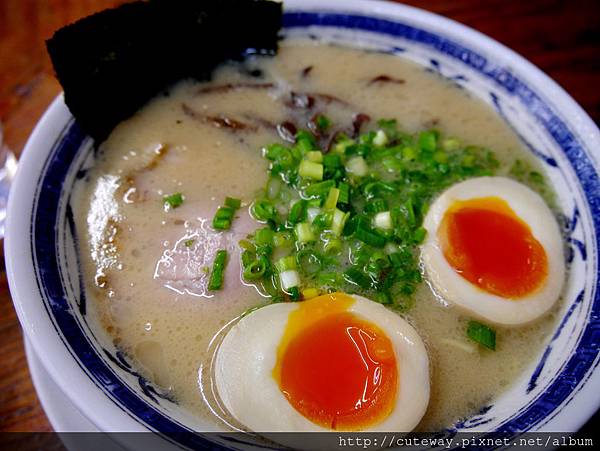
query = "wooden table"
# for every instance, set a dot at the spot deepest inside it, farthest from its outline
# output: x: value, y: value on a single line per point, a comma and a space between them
x: 560, y: 37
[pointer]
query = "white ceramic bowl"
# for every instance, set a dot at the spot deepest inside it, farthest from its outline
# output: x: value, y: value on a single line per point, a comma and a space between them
x: 559, y: 392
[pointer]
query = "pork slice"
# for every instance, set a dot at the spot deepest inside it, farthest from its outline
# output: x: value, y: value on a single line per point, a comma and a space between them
x: 186, y: 265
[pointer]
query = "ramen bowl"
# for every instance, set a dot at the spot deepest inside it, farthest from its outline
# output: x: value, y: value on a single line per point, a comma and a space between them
x: 559, y: 391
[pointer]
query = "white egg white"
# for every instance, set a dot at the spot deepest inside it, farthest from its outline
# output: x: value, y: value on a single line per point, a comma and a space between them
x: 455, y: 289
x: 248, y: 353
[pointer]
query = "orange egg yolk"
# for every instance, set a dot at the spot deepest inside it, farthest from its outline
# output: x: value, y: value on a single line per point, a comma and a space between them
x: 489, y: 245
x: 335, y: 368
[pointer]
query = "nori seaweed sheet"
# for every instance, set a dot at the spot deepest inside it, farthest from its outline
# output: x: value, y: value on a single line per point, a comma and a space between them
x: 111, y: 63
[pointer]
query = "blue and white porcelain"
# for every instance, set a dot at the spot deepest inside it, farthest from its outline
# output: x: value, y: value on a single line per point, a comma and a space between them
x: 558, y: 392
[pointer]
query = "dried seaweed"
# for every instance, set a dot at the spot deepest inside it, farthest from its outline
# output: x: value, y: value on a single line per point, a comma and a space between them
x: 111, y: 63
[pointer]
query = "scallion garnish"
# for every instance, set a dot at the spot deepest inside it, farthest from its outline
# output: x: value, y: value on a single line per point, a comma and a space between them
x: 308, y: 293
x: 322, y: 122
x: 482, y: 334
x: 332, y: 199
x: 254, y: 269
x: 263, y: 210
x: 319, y: 189
x: 218, y: 271
x: 289, y: 279
x: 286, y: 263
x: 225, y: 214
x: 311, y: 170
x: 357, y: 166
x: 298, y: 212
x: 223, y: 218
x: 370, y: 236
x: 349, y: 216
x: 304, y: 232
x: 232, y: 202
x: 294, y: 293
x: 356, y: 276
x: 344, y: 197
x: 173, y: 201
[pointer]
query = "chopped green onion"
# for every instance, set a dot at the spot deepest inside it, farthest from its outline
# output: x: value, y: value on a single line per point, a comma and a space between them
x: 338, y: 222
x: 409, y: 154
x: 328, y: 279
x: 332, y: 161
x: 323, y: 220
x: 316, y: 156
x: 383, y: 220
x: 298, y: 212
x: 428, y: 141
x: 312, y: 213
x: 352, y: 217
x: 263, y: 210
x: 384, y: 297
x: 419, y: 235
x: 440, y: 157
x: 344, y: 196
x: 218, y: 269
x: 308, y: 261
x: 333, y: 246
x: 224, y: 215
x: 305, y: 141
x: 286, y: 263
x: 275, y: 151
x: 367, y: 138
x: 380, y: 139
x: 389, y: 126
x: 369, y: 236
x: 248, y: 257
x: 376, y: 206
x: 379, y: 260
x: 282, y: 239
x: 399, y: 259
x: 304, y: 232
x: 390, y: 248
x: 482, y: 334
x: 294, y: 293
x: 357, y: 166
x: 392, y: 164
x: 375, y: 188
x: 263, y: 236
x: 223, y: 218
x: 173, y: 201
x: 356, y: 277
x: 256, y: 268
x: 232, y: 202
x: 343, y: 142
x: 311, y: 170
x: 289, y: 279
x: 318, y: 189
x: 189, y: 243
x: 450, y: 144
x: 332, y: 199
x: 322, y: 122
x: 309, y: 293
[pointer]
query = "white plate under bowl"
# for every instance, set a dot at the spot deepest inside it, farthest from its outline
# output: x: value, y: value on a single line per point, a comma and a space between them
x: 560, y: 390
x: 61, y: 412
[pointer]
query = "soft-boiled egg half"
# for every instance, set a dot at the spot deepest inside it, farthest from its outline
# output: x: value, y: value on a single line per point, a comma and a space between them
x: 333, y: 362
x: 494, y: 248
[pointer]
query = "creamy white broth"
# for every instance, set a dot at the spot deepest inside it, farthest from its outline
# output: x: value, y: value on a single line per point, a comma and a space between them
x: 148, y: 288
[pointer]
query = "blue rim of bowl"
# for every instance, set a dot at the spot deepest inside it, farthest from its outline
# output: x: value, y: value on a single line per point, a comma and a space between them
x: 48, y: 197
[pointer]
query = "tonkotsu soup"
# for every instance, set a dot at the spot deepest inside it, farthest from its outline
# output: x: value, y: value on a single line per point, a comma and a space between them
x: 145, y: 215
